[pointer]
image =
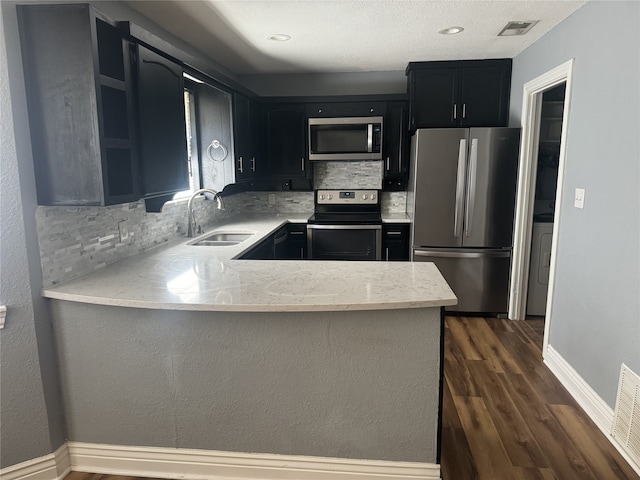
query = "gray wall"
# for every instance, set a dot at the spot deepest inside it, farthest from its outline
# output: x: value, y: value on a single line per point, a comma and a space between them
x: 31, y: 410
x: 345, y: 384
x: 595, y: 323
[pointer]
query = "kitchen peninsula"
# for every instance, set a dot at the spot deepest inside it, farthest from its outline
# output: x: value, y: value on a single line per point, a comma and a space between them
x: 187, y: 347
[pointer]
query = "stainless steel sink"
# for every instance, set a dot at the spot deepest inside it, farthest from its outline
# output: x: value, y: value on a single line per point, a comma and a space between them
x: 218, y: 239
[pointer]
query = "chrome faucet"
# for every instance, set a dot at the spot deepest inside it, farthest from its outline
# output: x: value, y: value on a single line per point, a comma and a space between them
x: 193, y: 226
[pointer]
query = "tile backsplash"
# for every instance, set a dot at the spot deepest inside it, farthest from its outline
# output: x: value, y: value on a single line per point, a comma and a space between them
x: 75, y: 241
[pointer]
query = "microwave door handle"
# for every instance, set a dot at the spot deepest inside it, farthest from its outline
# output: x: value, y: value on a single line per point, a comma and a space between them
x: 370, y: 137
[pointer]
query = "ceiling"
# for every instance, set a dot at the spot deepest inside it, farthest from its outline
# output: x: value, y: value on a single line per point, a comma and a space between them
x: 350, y: 35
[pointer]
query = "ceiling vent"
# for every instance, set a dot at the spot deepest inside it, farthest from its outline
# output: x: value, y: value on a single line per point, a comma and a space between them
x: 517, y: 28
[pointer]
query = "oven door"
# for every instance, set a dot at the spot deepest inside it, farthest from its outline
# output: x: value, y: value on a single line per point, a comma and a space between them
x: 344, y: 242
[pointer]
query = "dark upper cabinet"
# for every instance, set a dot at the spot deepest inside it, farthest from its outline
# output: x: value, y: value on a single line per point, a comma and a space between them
x: 472, y: 93
x: 247, y: 123
x: 433, y: 94
x: 161, y: 124
x: 395, y: 242
x: 286, y: 144
x: 79, y: 95
x: 396, y: 155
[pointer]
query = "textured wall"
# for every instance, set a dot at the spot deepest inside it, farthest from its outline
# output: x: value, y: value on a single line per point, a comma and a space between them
x: 349, y: 384
x: 595, y: 316
x: 30, y: 405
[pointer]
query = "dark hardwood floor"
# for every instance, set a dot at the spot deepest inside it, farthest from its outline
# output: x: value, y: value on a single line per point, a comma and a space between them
x: 505, y: 416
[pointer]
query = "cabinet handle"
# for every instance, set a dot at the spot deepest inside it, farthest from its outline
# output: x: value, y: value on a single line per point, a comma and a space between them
x: 387, y: 254
x: 296, y: 233
x: 302, y: 163
x: 253, y: 164
x: 301, y: 253
x: 464, y: 110
x: 394, y: 233
x: 388, y: 166
x: 240, y: 165
x: 455, y: 111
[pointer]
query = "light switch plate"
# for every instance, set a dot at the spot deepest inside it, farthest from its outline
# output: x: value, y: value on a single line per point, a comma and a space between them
x: 578, y: 201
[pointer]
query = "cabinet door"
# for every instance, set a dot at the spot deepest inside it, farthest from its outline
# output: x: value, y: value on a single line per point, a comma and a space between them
x: 433, y: 95
x: 78, y: 83
x: 162, y: 132
x: 215, y: 137
x: 246, y: 133
x: 395, y: 142
x: 297, y: 241
x: 485, y: 95
x: 286, y: 141
x: 395, y: 242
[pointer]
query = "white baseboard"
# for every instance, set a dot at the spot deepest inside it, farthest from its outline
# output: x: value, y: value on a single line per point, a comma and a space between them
x: 211, y: 465
x: 54, y: 466
x: 593, y: 405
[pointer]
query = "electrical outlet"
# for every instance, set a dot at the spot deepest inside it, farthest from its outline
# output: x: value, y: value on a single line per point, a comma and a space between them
x: 578, y: 201
x: 272, y: 199
x: 124, y: 230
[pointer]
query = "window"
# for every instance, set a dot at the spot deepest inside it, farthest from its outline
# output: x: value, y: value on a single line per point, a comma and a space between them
x: 192, y: 145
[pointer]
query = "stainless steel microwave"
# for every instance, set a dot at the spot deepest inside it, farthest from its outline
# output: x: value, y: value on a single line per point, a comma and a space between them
x: 345, y: 138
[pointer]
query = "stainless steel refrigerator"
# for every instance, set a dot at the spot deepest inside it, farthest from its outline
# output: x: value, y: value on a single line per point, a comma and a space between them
x: 461, y: 202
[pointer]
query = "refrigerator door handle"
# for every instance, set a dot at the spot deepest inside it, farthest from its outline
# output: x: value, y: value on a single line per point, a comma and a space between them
x: 460, y: 178
x: 471, y: 187
x: 459, y: 254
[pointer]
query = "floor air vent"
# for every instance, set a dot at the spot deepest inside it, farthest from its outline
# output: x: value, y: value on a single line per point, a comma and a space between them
x: 626, y: 421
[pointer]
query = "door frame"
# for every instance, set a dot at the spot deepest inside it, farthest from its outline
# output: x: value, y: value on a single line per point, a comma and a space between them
x: 530, y: 120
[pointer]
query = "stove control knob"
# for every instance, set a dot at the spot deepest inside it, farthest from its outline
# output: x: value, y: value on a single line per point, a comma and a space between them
x: 364, y: 196
x: 322, y: 197
x: 373, y: 196
x: 330, y: 197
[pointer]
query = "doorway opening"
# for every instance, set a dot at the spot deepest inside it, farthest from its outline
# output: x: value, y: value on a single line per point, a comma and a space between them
x: 546, y: 103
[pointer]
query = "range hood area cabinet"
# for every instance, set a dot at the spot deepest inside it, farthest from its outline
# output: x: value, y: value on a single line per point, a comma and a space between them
x: 80, y: 74
x: 471, y: 93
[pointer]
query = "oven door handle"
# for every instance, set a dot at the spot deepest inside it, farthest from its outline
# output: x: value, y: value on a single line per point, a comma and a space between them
x: 344, y: 227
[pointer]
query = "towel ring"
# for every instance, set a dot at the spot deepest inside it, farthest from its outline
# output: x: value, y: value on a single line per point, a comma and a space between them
x: 216, y: 144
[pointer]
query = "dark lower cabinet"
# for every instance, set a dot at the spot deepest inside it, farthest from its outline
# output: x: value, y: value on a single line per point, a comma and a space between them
x: 289, y: 242
x: 262, y: 251
x: 294, y: 246
x: 395, y: 242
x: 161, y: 124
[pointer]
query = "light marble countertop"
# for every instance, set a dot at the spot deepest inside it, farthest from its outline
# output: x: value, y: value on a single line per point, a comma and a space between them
x: 395, y: 218
x: 179, y: 276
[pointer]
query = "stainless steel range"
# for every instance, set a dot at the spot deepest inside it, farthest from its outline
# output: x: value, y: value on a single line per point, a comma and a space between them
x: 346, y: 225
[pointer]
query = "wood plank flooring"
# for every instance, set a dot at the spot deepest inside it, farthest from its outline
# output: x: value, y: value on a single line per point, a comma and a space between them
x: 505, y: 416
